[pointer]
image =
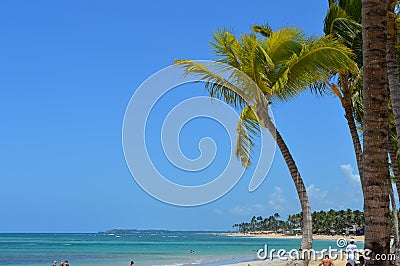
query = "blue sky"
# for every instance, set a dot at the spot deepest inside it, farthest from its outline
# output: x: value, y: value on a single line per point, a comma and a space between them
x: 68, y: 70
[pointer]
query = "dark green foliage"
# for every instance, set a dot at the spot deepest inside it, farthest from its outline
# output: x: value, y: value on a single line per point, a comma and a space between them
x: 324, y: 222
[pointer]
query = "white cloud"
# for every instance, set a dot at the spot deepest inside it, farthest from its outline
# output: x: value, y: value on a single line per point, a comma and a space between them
x: 259, y: 206
x: 314, y: 192
x: 318, y: 198
x: 241, y: 210
x: 277, y: 200
x: 351, y: 194
x: 246, y: 210
x: 347, y: 171
x: 218, y: 212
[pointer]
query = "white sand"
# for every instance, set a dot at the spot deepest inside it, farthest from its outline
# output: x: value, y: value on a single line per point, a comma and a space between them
x: 281, y: 263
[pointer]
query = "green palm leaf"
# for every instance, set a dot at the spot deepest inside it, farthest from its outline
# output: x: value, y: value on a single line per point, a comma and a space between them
x: 248, y: 129
x: 265, y: 30
x: 225, y: 46
x: 216, y: 85
x: 282, y: 43
x: 314, y: 63
x: 349, y: 32
x: 334, y: 12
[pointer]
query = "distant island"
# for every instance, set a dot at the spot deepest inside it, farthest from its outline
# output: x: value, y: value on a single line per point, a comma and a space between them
x: 132, y: 231
x: 129, y: 231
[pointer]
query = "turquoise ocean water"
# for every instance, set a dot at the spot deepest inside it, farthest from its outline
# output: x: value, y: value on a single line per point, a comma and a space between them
x: 145, y: 248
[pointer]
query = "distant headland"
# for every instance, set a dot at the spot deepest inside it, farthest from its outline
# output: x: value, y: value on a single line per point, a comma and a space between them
x: 128, y: 231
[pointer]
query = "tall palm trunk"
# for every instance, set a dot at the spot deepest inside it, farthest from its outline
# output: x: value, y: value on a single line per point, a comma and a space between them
x: 394, y: 89
x: 396, y: 173
x: 392, y: 66
x: 375, y: 160
x: 306, y: 240
x: 348, y: 110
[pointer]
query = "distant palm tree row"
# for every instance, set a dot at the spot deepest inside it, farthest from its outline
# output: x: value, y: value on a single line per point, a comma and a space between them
x: 332, y: 222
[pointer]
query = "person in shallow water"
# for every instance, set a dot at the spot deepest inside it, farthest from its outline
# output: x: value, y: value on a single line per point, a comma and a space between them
x: 66, y: 263
x: 55, y: 263
x: 132, y: 263
x: 326, y: 261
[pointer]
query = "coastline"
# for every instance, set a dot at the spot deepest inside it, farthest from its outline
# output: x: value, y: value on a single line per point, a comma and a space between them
x: 283, y: 236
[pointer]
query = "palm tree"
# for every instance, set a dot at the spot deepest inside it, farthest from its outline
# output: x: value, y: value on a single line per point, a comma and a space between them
x: 259, y: 223
x: 253, y: 223
x: 392, y: 65
x: 282, y: 64
x: 394, y: 165
x: 394, y: 121
x: 276, y: 216
x: 395, y: 175
x: 375, y: 129
x: 343, y: 20
x: 394, y: 152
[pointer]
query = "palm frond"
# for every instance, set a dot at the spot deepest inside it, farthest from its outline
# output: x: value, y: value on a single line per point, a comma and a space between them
x: 316, y: 62
x: 320, y: 88
x: 352, y: 9
x: 334, y: 12
x: 349, y: 32
x: 225, y: 45
x: 255, y: 61
x: 265, y: 30
x: 358, y: 107
x: 216, y: 85
x: 247, y: 129
x: 282, y: 43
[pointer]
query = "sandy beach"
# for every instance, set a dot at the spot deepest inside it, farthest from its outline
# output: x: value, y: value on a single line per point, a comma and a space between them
x: 337, y: 262
x: 282, y: 263
x: 283, y: 236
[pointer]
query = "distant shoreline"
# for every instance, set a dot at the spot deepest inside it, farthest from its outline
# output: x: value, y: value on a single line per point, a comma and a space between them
x: 282, y: 236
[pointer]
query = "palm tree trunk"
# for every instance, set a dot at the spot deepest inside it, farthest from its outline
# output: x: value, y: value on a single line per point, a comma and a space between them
x: 394, y: 89
x: 375, y: 160
x: 348, y: 109
x: 306, y: 240
x: 396, y: 173
x: 392, y: 66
